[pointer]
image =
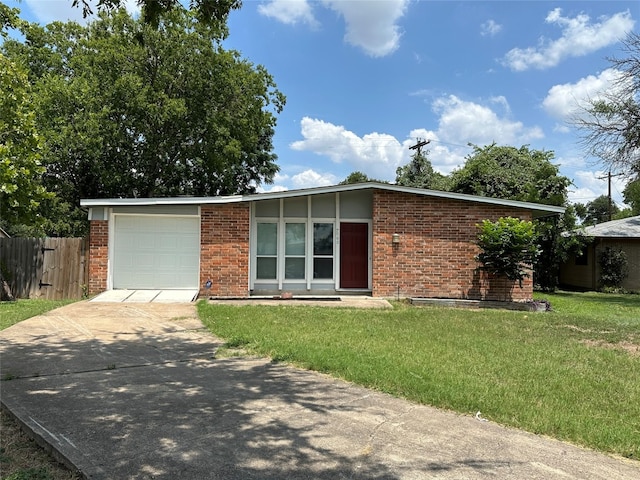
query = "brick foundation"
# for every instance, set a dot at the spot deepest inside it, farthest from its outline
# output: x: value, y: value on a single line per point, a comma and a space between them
x: 224, y: 249
x: 435, y: 255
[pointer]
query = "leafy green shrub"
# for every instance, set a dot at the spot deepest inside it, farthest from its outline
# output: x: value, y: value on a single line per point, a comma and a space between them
x: 614, y: 267
x: 508, y: 247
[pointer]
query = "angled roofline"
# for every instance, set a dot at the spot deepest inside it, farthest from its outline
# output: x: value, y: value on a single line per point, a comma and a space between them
x: 543, y: 210
x: 625, y: 228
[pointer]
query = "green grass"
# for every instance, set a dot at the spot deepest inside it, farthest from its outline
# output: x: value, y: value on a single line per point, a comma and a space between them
x: 571, y: 373
x: 14, y: 312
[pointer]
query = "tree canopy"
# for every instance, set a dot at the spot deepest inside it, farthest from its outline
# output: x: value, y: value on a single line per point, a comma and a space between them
x: 21, y: 190
x: 631, y: 195
x: 131, y: 110
x: 207, y: 11
x: 596, y: 211
x: 419, y: 173
x: 359, y: 177
x: 511, y: 173
x: 355, y: 177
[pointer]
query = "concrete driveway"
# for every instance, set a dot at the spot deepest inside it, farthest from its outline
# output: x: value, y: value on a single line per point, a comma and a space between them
x: 135, y: 391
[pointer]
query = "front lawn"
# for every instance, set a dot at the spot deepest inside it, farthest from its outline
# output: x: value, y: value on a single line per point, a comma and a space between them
x: 14, y: 312
x: 573, y: 373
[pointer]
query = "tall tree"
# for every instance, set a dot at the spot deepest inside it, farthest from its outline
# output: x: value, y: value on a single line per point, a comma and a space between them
x: 597, y: 210
x: 419, y: 173
x: 611, y: 122
x: 129, y: 110
x: 631, y: 195
x: 21, y: 190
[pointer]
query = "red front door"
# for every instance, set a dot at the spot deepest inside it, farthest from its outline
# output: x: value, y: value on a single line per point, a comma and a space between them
x: 354, y: 255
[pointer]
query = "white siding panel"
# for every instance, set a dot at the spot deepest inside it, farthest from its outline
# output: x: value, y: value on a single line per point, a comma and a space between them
x: 156, y: 252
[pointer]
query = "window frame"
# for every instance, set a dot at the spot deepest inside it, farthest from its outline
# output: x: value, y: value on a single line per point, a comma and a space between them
x: 323, y: 256
x: 286, y: 256
x: 259, y: 255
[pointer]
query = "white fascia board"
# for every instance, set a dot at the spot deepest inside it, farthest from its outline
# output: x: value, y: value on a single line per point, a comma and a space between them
x: 122, y: 202
x: 535, y: 207
x: 547, y: 209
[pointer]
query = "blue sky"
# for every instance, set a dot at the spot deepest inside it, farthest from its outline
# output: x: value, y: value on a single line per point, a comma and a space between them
x: 365, y: 78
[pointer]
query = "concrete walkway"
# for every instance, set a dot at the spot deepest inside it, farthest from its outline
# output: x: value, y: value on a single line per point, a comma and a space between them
x: 134, y: 391
x: 147, y: 296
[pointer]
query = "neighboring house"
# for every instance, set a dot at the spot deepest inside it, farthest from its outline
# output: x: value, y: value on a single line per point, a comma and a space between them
x: 368, y: 238
x: 4, y: 234
x: 583, y: 271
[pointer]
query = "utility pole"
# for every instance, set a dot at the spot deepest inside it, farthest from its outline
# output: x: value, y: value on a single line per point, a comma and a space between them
x: 419, y: 144
x: 608, y: 177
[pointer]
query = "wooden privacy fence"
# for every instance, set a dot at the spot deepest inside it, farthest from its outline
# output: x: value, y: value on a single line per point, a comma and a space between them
x: 50, y: 268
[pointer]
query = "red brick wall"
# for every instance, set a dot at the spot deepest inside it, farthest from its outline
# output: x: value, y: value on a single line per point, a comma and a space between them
x: 224, y: 249
x: 98, y: 256
x: 435, y: 256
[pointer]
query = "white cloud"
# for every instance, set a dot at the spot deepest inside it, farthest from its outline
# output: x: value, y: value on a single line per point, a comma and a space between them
x: 310, y: 178
x: 379, y: 155
x: 279, y: 181
x: 470, y: 122
x: 571, y: 161
x: 502, y: 101
x: 371, y: 24
x: 490, y: 28
x: 376, y: 154
x: 566, y: 100
x: 593, y: 184
x: 561, y: 128
x: 47, y: 11
x: 271, y: 188
x: 289, y: 11
x: 582, y: 195
x: 579, y: 37
x: 444, y: 158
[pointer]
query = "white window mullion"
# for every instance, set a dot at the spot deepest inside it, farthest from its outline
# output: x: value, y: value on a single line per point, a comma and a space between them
x: 336, y: 243
x: 281, y: 234
x: 309, y: 249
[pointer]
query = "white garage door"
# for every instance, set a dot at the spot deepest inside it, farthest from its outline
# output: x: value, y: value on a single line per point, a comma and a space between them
x: 156, y: 252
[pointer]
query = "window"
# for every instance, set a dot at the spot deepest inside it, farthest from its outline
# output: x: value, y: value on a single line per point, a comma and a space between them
x: 294, y: 251
x: 267, y: 251
x: 323, y: 250
x: 582, y: 258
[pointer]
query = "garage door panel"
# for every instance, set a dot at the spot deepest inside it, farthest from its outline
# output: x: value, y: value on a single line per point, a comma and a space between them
x: 154, y: 252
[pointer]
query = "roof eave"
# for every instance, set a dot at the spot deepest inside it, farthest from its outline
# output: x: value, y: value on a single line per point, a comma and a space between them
x: 539, y: 210
x: 128, y: 202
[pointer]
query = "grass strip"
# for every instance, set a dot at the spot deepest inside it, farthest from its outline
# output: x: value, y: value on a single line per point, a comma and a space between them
x: 14, y: 312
